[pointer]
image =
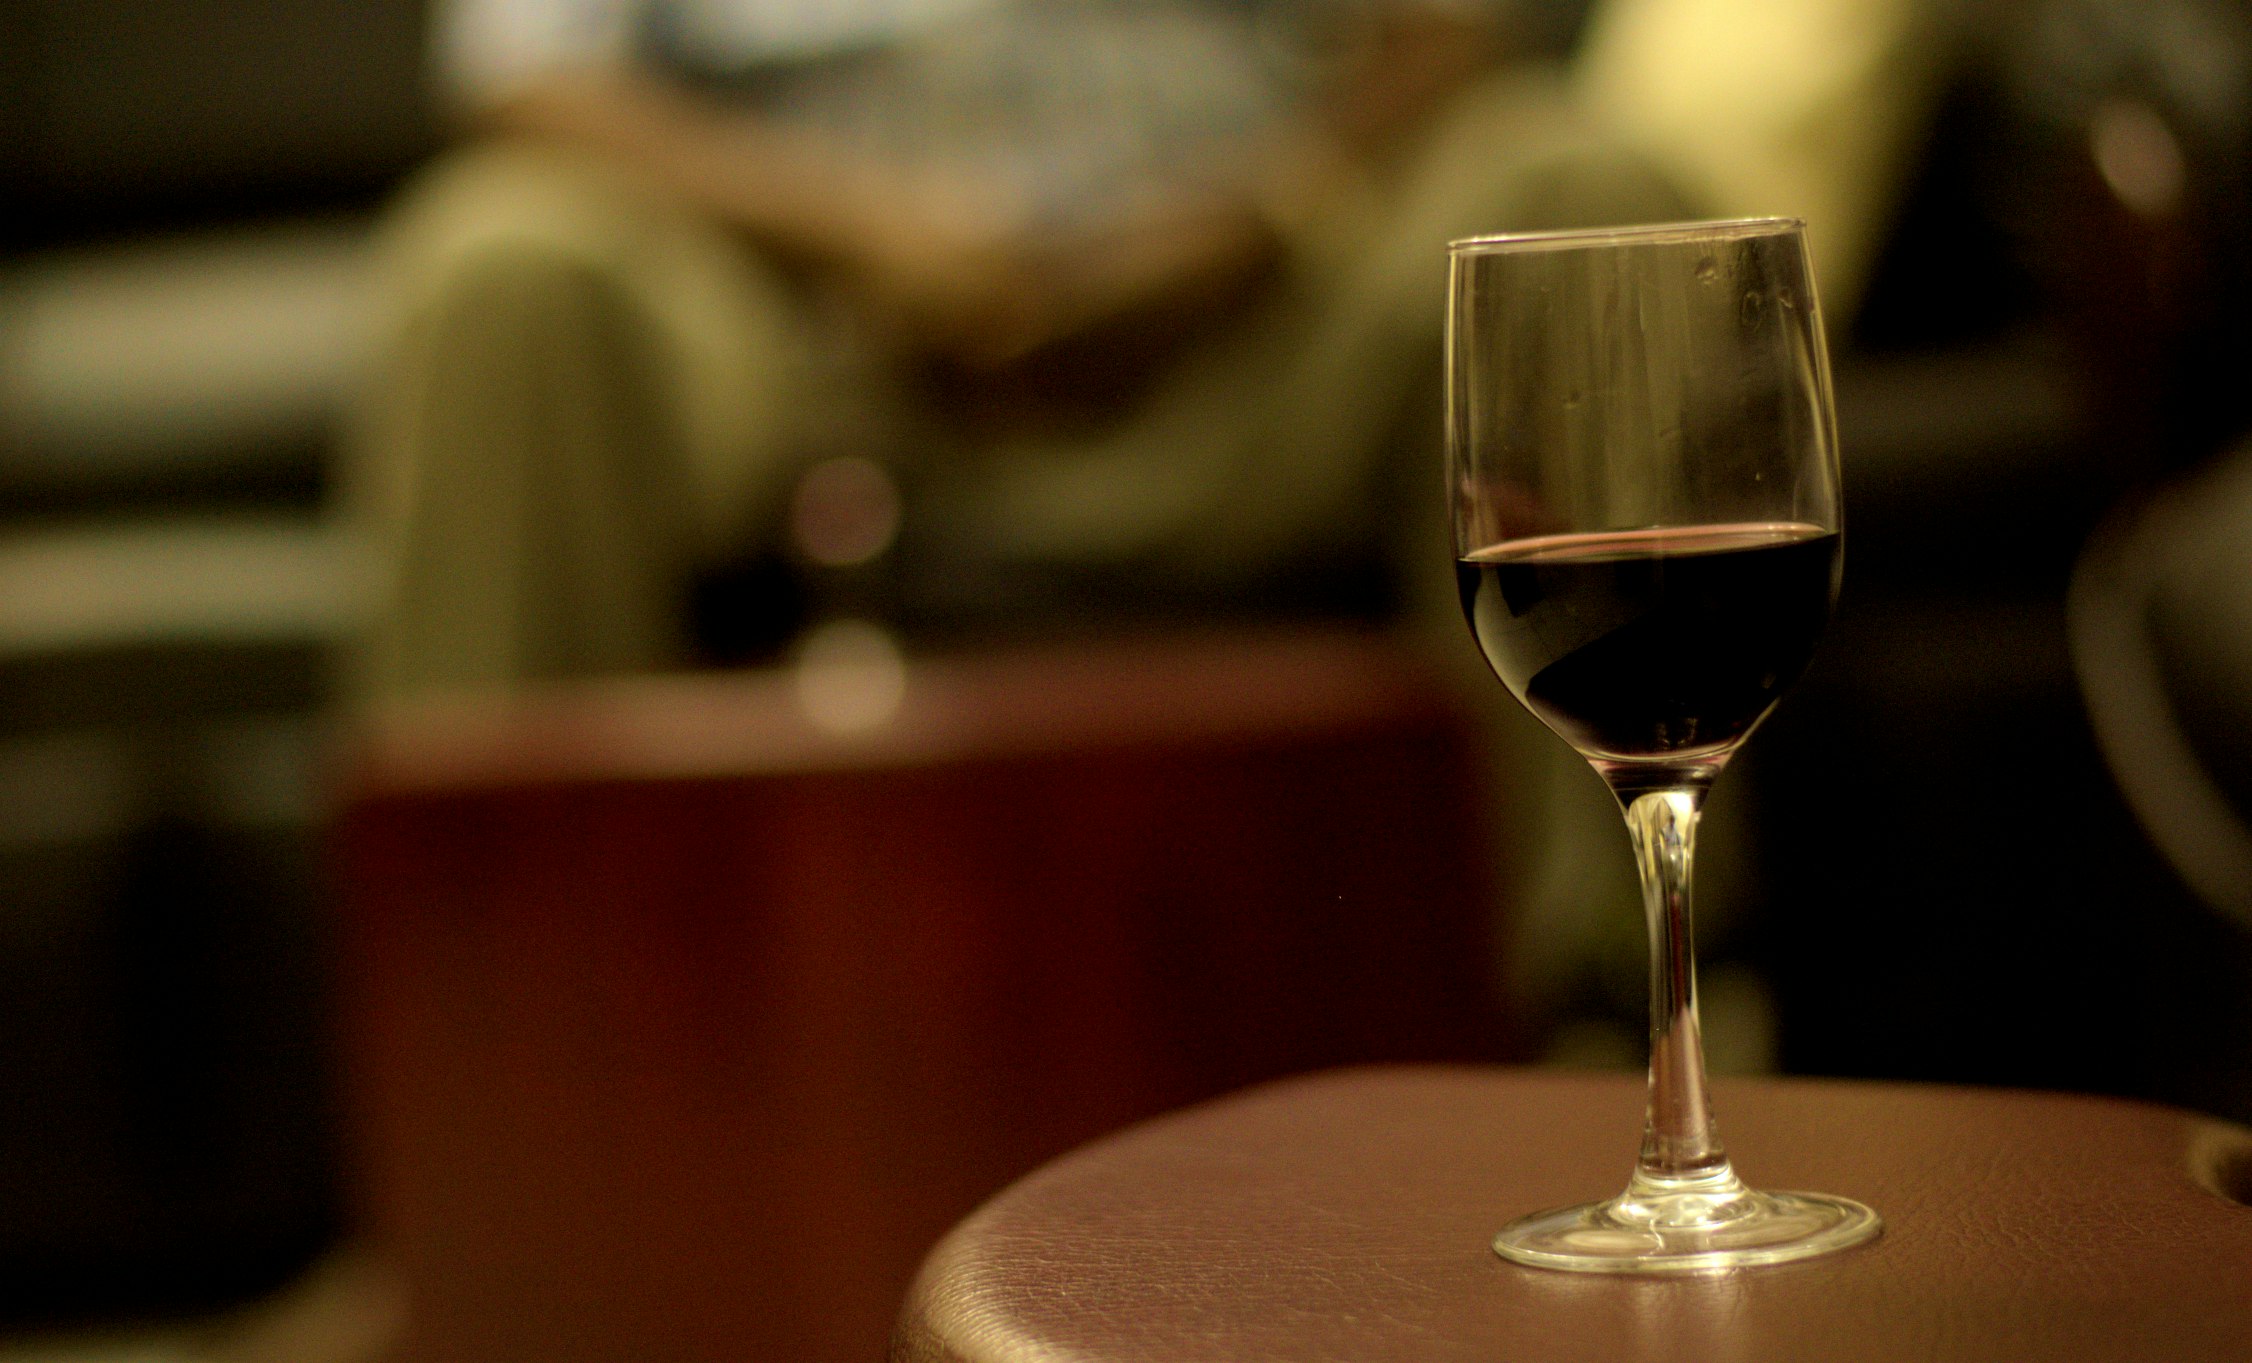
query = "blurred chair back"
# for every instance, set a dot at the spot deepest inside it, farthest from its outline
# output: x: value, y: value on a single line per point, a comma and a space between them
x: 2161, y: 612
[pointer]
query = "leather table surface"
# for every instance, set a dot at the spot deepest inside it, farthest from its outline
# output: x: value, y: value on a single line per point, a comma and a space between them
x: 1345, y: 1216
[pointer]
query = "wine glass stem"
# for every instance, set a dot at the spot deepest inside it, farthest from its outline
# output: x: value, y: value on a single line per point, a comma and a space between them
x: 1680, y: 1144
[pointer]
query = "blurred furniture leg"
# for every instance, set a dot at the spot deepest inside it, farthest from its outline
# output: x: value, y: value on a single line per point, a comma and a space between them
x: 1346, y: 1217
x: 680, y: 1027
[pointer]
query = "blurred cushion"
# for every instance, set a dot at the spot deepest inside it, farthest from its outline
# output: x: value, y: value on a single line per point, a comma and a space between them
x: 239, y: 580
x: 145, y: 369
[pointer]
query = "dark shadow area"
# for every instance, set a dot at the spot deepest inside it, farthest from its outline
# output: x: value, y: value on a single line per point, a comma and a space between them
x: 1954, y: 887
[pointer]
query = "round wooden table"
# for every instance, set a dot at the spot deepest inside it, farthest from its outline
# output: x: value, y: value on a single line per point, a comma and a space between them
x: 1344, y: 1218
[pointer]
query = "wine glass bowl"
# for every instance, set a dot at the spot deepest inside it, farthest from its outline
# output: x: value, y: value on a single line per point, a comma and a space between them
x: 1643, y: 485
x: 1657, y: 645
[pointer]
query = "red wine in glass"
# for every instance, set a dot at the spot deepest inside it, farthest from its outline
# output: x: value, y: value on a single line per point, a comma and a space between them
x: 1663, y: 643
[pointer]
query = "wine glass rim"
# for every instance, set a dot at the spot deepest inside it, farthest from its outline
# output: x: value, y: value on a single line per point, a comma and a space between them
x: 1718, y: 229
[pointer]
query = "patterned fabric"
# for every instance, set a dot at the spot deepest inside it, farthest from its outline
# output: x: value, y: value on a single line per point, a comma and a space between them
x: 1059, y: 108
x: 484, y: 46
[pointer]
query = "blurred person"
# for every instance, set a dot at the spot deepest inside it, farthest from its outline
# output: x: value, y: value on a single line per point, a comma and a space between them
x: 1097, y: 285
x: 1127, y: 303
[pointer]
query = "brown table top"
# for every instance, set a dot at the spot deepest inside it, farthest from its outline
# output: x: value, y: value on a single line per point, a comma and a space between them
x: 1346, y: 1216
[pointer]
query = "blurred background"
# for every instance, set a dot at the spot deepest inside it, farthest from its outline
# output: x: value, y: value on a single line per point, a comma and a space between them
x: 266, y: 1094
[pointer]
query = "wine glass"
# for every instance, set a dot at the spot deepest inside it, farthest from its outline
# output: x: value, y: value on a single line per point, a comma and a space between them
x: 1643, y: 481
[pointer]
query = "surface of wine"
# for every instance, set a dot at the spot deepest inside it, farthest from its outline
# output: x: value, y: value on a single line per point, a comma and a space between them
x: 1653, y: 645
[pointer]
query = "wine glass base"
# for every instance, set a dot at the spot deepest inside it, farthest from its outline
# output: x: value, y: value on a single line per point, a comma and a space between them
x: 1620, y: 1237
